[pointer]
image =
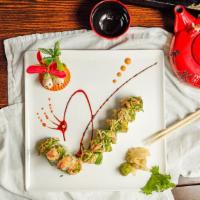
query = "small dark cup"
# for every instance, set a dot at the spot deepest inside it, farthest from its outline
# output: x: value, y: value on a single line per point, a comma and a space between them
x: 110, y: 19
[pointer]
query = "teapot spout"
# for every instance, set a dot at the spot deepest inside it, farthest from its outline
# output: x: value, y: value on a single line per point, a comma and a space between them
x: 183, y: 19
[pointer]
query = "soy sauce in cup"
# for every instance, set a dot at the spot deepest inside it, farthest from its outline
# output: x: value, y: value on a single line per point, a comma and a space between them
x: 110, y: 19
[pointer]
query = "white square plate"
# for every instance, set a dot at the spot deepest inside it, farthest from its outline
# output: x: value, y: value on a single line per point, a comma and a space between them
x: 93, y: 71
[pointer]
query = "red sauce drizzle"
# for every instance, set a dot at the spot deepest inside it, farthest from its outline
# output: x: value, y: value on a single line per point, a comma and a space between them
x: 90, y: 107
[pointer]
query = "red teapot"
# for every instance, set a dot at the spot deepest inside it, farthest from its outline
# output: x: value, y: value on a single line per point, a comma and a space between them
x: 185, y: 47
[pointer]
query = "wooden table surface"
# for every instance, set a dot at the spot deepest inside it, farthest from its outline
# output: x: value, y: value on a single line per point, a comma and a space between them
x: 40, y: 16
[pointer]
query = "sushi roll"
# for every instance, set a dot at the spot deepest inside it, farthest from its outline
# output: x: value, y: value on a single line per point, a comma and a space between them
x: 97, y: 145
x: 70, y: 164
x: 107, y: 134
x: 91, y: 158
x: 122, y: 115
x: 46, y: 144
x: 113, y: 125
x: 134, y: 103
x: 101, y: 145
x: 55, y: 153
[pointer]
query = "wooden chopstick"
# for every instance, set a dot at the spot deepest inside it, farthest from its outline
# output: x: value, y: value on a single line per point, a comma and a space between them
x: 183, y: 122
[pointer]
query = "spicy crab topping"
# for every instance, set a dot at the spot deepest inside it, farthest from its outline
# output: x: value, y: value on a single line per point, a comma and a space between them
x: 46, y: 144
x: 92, y: 158
x: 107, y: 134
x: 52, y: 154
x: 55, y: 153
x: 64, y: 163
x: 135, y: 103
x: 70, y: 164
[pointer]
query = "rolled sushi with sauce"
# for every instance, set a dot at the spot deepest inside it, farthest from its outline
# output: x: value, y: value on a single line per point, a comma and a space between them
x: 70, y: 164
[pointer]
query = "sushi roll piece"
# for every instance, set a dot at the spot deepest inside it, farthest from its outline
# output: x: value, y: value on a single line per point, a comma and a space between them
x: 122, y: 114
x: 46, y: 144
x: 113, y: 125
x: 54, y: 154
x: 132, y: 114
x: 134, y: 103
x: 107, y: 146
x: 70, y: 164
x: 107, y: 134
x: 91, y: 158
x: 123, y: 124
x: 75, y: 168
x: 101, y: 145
x: 97, y: 145
x: 117, y: 125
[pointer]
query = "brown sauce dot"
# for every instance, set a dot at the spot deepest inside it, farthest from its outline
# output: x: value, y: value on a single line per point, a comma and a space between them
x: 114, y: 81
x: 44, y: 124
x: 119, y: 74
x: 123, y: 68
x: 127, y: 61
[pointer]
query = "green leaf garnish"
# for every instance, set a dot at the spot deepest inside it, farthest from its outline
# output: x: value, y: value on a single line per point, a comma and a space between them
x: 60, y: 65
x: 48, y: 60
x: 157, y: 182
x: 57, y: 51
x: 53, y: 56
x: 46, y: 51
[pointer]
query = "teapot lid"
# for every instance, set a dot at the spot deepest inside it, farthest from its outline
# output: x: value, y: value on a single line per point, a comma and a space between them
x: 196, y: 49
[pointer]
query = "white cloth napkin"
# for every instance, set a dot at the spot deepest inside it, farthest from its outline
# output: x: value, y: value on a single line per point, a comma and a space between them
x: 183, y: 148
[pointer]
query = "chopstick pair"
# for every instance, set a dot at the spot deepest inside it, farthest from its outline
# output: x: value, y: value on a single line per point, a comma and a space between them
x: 165, y: 132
